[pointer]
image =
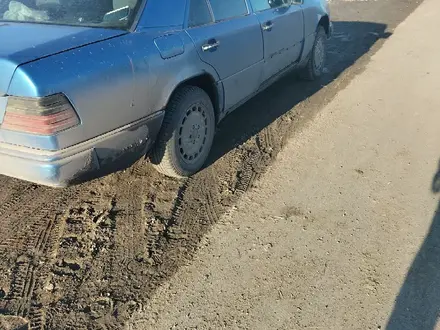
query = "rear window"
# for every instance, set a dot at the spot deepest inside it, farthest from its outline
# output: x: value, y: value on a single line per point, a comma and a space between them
x: 225, y: 9
x: 103, y: 13
x: 260, y: 5
x: 199, y: 13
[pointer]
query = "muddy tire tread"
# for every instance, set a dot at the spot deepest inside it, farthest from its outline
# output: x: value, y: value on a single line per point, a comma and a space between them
x: 162, y: 156
x: 308, y: 72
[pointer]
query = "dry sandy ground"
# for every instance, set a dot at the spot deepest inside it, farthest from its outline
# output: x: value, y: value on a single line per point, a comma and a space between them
x: 90, y: 256
x: 345, y: 220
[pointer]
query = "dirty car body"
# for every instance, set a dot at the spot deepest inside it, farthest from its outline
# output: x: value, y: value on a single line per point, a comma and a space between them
x: 80, y: 91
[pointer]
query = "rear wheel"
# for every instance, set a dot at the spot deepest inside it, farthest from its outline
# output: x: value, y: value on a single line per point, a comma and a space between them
x: 317, y: 59
x: 186, y: 135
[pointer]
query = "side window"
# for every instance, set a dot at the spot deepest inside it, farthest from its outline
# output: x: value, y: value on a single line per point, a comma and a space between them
x: 224, y: 9
x: 199, y: 13
x: 260, y: 5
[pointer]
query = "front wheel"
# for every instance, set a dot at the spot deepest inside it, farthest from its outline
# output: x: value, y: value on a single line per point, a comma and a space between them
x: 186, y: 135
x: 316, y: 63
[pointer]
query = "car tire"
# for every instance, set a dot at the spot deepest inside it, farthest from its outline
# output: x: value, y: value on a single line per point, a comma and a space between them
x: 317, y: 58
x: 186, y: 135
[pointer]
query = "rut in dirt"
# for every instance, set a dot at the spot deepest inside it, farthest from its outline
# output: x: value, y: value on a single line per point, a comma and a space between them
x: 91, y: 256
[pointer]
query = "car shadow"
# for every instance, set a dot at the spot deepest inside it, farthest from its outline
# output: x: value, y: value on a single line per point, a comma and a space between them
x: 350, y: 41
x: 417, y: 305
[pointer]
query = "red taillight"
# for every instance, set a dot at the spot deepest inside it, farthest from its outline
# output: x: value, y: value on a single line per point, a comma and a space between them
x: 43, y: 116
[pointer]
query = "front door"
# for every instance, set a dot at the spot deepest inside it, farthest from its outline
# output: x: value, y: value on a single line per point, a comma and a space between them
x: 282, y: 25
x: 229, y: 39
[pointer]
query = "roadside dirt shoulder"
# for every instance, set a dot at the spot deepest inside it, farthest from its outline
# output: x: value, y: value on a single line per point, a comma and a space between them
x: 328, y: 235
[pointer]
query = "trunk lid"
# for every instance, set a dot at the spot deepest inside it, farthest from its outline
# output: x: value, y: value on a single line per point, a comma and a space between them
x: 27, y: 42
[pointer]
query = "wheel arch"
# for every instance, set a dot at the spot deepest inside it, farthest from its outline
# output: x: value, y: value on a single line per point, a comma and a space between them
x: 206, y: 82
x: 325, y: 23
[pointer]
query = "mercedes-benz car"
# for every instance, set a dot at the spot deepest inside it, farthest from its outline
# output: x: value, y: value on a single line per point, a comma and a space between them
x: 85, y: 84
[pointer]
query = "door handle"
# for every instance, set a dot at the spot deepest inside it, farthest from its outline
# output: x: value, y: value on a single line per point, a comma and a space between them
x: 267, y: 26
x: 211, y: 45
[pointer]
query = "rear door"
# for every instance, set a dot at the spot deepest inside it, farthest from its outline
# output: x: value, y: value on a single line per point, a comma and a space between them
x: 229, y: 39
x: 282, y: 25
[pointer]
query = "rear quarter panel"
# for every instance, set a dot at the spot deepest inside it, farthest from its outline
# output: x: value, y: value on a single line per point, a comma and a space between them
x: 314, y: 10
x: 98, y: 80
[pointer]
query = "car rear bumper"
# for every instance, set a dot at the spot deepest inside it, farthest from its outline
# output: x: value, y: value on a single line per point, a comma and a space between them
x: 74, y: 164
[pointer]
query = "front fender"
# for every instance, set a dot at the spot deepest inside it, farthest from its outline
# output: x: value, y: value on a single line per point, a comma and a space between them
x: 314, y: 11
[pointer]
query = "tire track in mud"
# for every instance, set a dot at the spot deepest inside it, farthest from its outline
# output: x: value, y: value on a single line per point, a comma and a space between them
x: 128, y: 238
x: 28, y: 238
x: 211, y: 212
x: 265, y: 139
x: 14, y: 225
x: 87, y: 239
x: 11, y: 187
x: 259, y: 155
x: 120, y: 243
x: 11, y: 207
x: 151, y: 231
x: 247, y: 175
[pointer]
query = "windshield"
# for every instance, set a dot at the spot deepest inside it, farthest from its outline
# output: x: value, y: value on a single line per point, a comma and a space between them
x: 103, y: 13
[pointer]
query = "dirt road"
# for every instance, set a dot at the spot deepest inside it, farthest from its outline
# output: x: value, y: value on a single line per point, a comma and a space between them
x: 328, y: 237
x: 91, y: 256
